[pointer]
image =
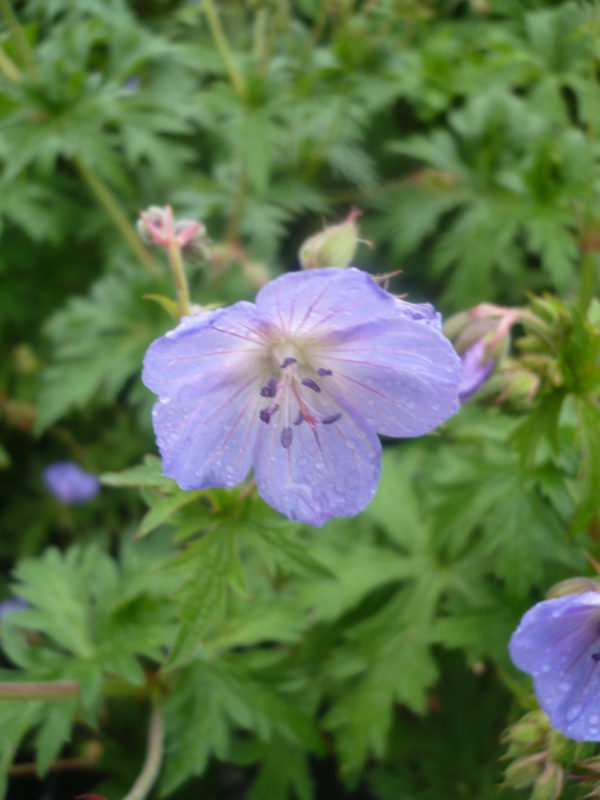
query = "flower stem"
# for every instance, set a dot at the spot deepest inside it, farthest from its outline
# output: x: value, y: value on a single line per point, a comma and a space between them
x: 9, y: 68
x: 112, y: 207
x: 222, y: 45
x: 149, y: 773
x: 41, y: 690
x: 587, y: 280
x: 180, y: 279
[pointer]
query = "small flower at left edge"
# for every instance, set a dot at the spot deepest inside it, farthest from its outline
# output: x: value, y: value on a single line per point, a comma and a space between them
x: 69, y: 483
x: 297, y: 386
x: 558, y: 644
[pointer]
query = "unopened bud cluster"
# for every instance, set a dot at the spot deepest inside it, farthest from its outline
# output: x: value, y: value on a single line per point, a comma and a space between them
x: 156, y: 226
x: 538, y: 755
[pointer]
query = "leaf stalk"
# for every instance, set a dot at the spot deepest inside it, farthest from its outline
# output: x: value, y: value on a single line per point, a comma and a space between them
x: 38, y: 690
x: 151, y: 768
x: 218, y: 34
x: 114, y: 210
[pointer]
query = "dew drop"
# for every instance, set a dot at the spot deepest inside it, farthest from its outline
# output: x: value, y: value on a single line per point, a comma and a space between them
x: 573, y: 713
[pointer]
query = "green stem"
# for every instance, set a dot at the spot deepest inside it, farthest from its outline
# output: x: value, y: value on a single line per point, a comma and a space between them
x: 587, y: 280
x: 9, y: 68
x: 150, y: 770
x: 42, y: 690
x: 112, y: 207
x: 220, y: 40
x: 180, y: 279
x: 261, y: 40
x: 20, y: 40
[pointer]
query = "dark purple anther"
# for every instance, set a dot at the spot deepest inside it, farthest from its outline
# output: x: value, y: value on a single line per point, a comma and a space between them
x: 265, y: 416
x: 311, y: 384
x: 289, y: 360
x: 596, y: 656
x: 286, y: 437
x: 299, y: 418
x: 324, y: 372
x: 270, y: 389
x: 329, y: 420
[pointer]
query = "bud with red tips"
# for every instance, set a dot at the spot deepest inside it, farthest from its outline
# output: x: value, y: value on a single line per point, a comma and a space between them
x: 157, y: 226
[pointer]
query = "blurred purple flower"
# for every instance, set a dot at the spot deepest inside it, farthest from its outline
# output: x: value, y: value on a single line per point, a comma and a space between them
x: 69, y: 483
x: 297, y: 386
x: 133, y: 83
x: 475, y: 371
x: 558, y: 643
x: 8, y: 607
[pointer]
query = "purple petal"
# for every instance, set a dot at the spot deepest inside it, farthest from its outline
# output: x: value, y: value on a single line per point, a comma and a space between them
x: 558, y: 643
x: 474, y: 372
x: 314, y: 473
x: 424, y: 313
x: 205, y: 347
x: 69, y: 483
x: 400, y: 375
x: 317, y: 301
x: 8, y: 607
x: 207, y: 434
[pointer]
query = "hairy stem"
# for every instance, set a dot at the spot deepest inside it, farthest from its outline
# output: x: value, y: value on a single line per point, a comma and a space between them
x: 42, y: 690
x: 112, y: 207
x: 150, y: 770
x: 222, y: 45
x: 180, y: 279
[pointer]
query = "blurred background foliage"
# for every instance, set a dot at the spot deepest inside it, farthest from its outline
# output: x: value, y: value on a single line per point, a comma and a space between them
x: 366, y: 659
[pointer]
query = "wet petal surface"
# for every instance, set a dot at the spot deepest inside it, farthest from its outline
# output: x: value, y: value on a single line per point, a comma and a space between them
x: 309, y: 304
x: 315, y: 472
x: 558, y: 643
x: 401, y: 376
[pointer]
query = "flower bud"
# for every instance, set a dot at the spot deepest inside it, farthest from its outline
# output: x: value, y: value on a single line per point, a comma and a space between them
x: 156, y: 226
x: 518, y: 385
x: 573, y: 586
x: 333, y: 247
x: 550, y: 783
x: 524, y: 771
x: 531, y: 729
x: 481, y: 338
x: 476, y: 369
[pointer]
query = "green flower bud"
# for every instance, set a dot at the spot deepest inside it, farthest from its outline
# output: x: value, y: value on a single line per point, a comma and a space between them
x: 559, y: 747
x: 573, y: 586
x: 531, y: 729
x: 333, y: 247
x: 550, y: 783
x: 518, y: 385
x: 524, y: 771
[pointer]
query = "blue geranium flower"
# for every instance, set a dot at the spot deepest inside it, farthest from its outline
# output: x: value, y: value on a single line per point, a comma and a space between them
x: 558, y: 643
x: 297, y: 386
x: 69, y: 483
